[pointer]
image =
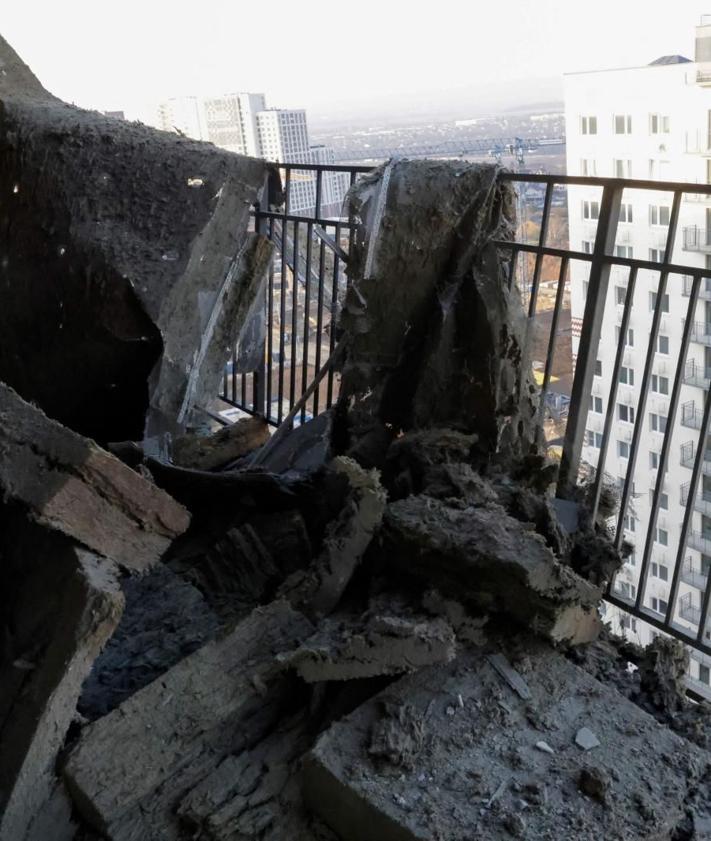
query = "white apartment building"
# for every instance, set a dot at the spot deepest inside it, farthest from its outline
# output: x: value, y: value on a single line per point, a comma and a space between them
x: 651, y: 122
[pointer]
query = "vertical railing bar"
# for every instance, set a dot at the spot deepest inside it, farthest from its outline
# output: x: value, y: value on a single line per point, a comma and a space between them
x: 270, y: 330
x: 294, y: 316
x: 319, y: 176
x: 234, y: 374
x: 282, y: 319
x: 703, y: 619
x: 612, y: 398
x: 307, y: 312
x: 319, y: 320
x: 673, y: 403
x: 695, y: 473
x: 552, y: 337
x: 332, y: 325
x: 539, y: 257
x: 589, y: 337
x: 512, y: 266
x: 287, y: 189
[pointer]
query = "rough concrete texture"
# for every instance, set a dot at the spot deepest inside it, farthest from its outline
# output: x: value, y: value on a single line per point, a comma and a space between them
x: 453, y: 753
x: 124, y: 255
x: 55, y: 626
x: 319, y: 589
x: 129, y: 768
x: 483, y: 555
x: 428, y: 300
x: 383, y: 643
x: 69, y: 484
x: 208, y: 452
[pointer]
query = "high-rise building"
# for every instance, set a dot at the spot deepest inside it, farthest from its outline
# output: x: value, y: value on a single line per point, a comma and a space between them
x: 242, y: 123
x: 650, y: 122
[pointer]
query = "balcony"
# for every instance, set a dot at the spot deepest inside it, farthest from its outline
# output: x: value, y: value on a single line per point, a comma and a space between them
x: 696, y: 374
x: 691, y: 415
x: 701, y: 333
x: 704, y: 289
x: 688, y: 454
x: 702, y: 503
x: 696, y: 238
x: 698, y: 142
x: 701, y: 541
x: 688, y: 610
x: 692, y: 576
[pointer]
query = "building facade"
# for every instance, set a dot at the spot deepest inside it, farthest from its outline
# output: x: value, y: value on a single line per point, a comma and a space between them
x: 651, y: 122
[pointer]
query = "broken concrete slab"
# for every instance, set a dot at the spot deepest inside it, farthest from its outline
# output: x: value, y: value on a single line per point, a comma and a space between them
x: 129, y: 258
x: 69, y: 484
x: 485, y: 556
x: 472, y: 771
x: 319, y: 589
x: 408, y: 343
x: 381, y: 644
x: 131, y: 766
x: 55, y: 624
x: 208, y: 452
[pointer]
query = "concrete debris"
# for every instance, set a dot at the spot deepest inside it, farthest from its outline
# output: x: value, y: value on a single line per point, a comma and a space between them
x: 208, y: 452
x: 456, y: 763
x: 130, y: 260
x: 359, y: 628
x: 586, y: 739
x: 69, y: 484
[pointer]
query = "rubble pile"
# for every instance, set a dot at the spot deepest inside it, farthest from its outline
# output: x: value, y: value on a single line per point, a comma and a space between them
x: 364, y: 629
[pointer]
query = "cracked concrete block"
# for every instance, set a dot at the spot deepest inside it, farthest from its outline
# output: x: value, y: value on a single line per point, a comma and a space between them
x: 383, y: 644
x: 415, y: 764
x: 125, y: 256
x: 129, y: 769
x: 484, y: 555
x: 69, y: 484
x: 56, y: 622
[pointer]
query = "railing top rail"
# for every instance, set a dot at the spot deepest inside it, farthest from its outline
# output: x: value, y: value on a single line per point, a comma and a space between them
x: 596, y: 181
x: 324, y: 167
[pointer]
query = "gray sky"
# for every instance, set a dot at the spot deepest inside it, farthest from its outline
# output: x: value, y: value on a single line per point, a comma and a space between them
x: 338, y: 55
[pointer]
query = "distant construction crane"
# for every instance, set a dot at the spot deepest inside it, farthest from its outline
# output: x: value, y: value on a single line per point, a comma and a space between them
x: 496, y: 147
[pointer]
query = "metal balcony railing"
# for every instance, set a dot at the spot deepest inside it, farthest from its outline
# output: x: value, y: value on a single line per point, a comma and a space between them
x: 701, y: 541
x: 702, y: 500
x: 688, y: 610
x: 693, y: 576
x: 688, y: 285
x: 696, y: 238
x: 696, y: 374
x: 307, y: 280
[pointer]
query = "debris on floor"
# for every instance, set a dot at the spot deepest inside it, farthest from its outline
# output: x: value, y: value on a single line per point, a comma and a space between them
x: 379, y: 624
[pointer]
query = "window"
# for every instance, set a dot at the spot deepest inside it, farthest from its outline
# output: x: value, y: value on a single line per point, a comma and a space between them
x: 598, y: 368
x: 623, y: 449
x: 661, y: 536
x: 587, y: 246
x: 704, y: 673
x: 591, y: 210
x: 588, y: 166
x: 656, y: 255
x: 630, y: 336
x: 658, y: 124
x: 653, y: 460
x: 626, y: 374
x: 660, y: 384
x: 628, y: 623
x: 625, y: 413
x: 653, y: 301
x: 632, y: 559
x: 627, y: 591
x: 660, y: 571
x: 588, y: 125
x: 620, y: 294
x: 623, y: 124
x: 659, y: 605
x: 622, y: 168
x: 629, y: 523
x: 625, y: 213
x: 663, y: 345
x: 624, y: 251
x: 659, y: 214
x: 596, y: 404
x: 593, y: 439
x: 657, y: 423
